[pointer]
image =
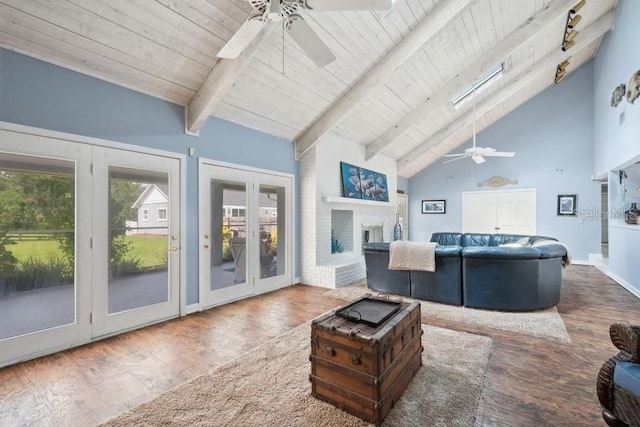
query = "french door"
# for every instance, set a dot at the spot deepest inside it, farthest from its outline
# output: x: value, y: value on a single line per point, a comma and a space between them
x: 76, y: 260
x: 245, y: 233
x: 136, y: 246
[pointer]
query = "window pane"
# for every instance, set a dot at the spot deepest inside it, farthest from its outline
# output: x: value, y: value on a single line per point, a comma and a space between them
x: 37, y: 244
x: 138, y: 242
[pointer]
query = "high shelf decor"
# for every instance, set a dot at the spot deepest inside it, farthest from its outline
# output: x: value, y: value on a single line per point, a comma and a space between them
x: 361, y: 183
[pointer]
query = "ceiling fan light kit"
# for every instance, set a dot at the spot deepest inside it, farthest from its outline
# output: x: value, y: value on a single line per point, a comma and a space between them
x: 286, y: 11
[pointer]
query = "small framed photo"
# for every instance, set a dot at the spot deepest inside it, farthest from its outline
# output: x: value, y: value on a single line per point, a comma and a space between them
x: 434, y: 206
x: 566, y: 204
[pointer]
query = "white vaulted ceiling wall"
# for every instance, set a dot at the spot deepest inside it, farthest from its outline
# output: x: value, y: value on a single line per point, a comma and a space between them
x: 391, y: 101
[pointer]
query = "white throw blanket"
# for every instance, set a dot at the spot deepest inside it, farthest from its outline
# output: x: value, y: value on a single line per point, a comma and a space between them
x: 404, y: 255
x: 566, y: 260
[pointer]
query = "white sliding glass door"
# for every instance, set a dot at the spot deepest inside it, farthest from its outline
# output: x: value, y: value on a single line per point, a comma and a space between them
x: 245, y: 242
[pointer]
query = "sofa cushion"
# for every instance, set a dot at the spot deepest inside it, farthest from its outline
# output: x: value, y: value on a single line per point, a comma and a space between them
x: 500, y: 252
x: 627, y: 376
x: 501, y: 239
x: 447, y: 239
x: 534, y: 239
x: 475, y: 239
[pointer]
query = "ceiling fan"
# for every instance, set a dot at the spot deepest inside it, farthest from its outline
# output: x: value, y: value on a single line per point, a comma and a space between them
x: 477, y: 154
x: 286, y: 11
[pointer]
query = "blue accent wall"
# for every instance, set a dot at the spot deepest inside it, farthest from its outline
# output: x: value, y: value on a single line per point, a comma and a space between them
x: 39, y: 94
x: 552, y: 135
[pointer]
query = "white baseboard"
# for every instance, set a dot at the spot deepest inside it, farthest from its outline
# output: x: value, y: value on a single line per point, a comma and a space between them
x: 296, y: 281
x: 624, y: 283
x: 581, y: 262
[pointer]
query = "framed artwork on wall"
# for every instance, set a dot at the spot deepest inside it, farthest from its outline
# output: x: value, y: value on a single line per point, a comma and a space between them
x: 434, y: 206
x: 567, y: 204
x: 361, y: 183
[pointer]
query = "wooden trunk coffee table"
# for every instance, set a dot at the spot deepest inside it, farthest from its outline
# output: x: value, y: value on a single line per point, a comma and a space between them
x: 363, y: 355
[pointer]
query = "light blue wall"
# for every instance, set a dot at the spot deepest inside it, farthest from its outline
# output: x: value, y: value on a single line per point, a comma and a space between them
x: 617, y: 145
x: 551, y: 132
x: 39, y: 94
x: 617, y: 59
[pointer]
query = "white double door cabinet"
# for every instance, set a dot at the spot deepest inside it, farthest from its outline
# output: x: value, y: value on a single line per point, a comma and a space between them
x: 502, y: 211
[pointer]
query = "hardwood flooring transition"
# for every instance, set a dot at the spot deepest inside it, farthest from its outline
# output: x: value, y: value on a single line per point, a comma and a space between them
x: 529, y: 382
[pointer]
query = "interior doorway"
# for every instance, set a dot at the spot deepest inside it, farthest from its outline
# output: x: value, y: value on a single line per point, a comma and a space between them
x: 604, y: 220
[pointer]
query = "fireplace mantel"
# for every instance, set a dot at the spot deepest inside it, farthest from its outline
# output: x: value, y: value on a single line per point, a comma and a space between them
x: 348, y: 201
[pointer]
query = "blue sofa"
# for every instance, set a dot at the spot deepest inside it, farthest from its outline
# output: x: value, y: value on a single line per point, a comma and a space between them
x: 476, y: 270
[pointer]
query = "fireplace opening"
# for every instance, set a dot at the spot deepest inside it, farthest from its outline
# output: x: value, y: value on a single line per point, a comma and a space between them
x: 372, y: 232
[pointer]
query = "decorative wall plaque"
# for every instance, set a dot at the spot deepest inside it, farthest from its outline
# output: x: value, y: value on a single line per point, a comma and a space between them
x: 618, y: 94
x: 497, y: 181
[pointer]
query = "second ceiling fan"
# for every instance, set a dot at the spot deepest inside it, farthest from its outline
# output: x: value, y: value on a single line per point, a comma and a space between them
x: 286, y: 11
x: 476, y: 153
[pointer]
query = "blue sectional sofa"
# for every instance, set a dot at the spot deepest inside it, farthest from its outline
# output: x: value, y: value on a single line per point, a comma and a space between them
x: 490, y: 271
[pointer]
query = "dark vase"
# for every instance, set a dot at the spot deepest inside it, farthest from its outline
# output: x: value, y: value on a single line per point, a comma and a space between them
x: 630, y: 216
x: 397, y: 229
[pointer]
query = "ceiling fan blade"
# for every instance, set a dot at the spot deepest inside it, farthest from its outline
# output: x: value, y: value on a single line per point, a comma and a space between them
x: 241, y: 39
x: 309, y: 42
x: 457, y: 158
x: 456, y: 155
x: 500, y: 154
x: 328, y: 5
x: 478, y: 159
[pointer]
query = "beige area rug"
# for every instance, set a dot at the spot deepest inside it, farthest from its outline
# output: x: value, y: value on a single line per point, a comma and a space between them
x: 269, y: 386
x: 541, y: 324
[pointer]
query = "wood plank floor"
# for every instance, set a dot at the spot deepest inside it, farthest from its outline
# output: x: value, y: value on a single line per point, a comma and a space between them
x: 530, y: 381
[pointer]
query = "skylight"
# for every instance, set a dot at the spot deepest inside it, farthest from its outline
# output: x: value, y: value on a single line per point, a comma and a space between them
x: 478, y: 83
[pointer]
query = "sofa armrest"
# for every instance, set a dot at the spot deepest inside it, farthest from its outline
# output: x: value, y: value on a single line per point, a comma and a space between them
x: 376, y: 247
x: 551, y: 251
x: 500, y: 252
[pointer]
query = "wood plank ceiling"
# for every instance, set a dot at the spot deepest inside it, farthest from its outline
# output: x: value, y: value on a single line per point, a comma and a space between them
x: 389, y: 88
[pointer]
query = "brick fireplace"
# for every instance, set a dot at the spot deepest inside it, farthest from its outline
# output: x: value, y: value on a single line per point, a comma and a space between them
x: 323, y: 210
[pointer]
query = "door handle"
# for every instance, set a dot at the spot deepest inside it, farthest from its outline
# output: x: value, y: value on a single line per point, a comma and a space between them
x: 173, y: 249
x: 206, y: 246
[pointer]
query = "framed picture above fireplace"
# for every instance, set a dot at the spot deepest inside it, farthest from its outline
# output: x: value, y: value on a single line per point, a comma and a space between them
x: 361, y: 183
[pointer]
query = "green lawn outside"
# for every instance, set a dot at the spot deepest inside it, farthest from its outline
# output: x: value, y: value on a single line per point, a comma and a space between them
x: 151, y: 250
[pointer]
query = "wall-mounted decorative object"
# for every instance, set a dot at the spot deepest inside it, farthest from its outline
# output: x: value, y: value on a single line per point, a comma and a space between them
x: 633, y: 87
x: 632, y: 214
x: 567, y: 204
x: 434, y: 206
x: 623, y: 184
x: 497, y: 181
x: 618, y: 94
x: 361, y: 183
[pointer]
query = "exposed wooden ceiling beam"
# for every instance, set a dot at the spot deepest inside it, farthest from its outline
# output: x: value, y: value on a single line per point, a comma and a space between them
x: 383, y: 70
x: 517, y: 83
x: 516, y: 40
x: 217, y: 83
